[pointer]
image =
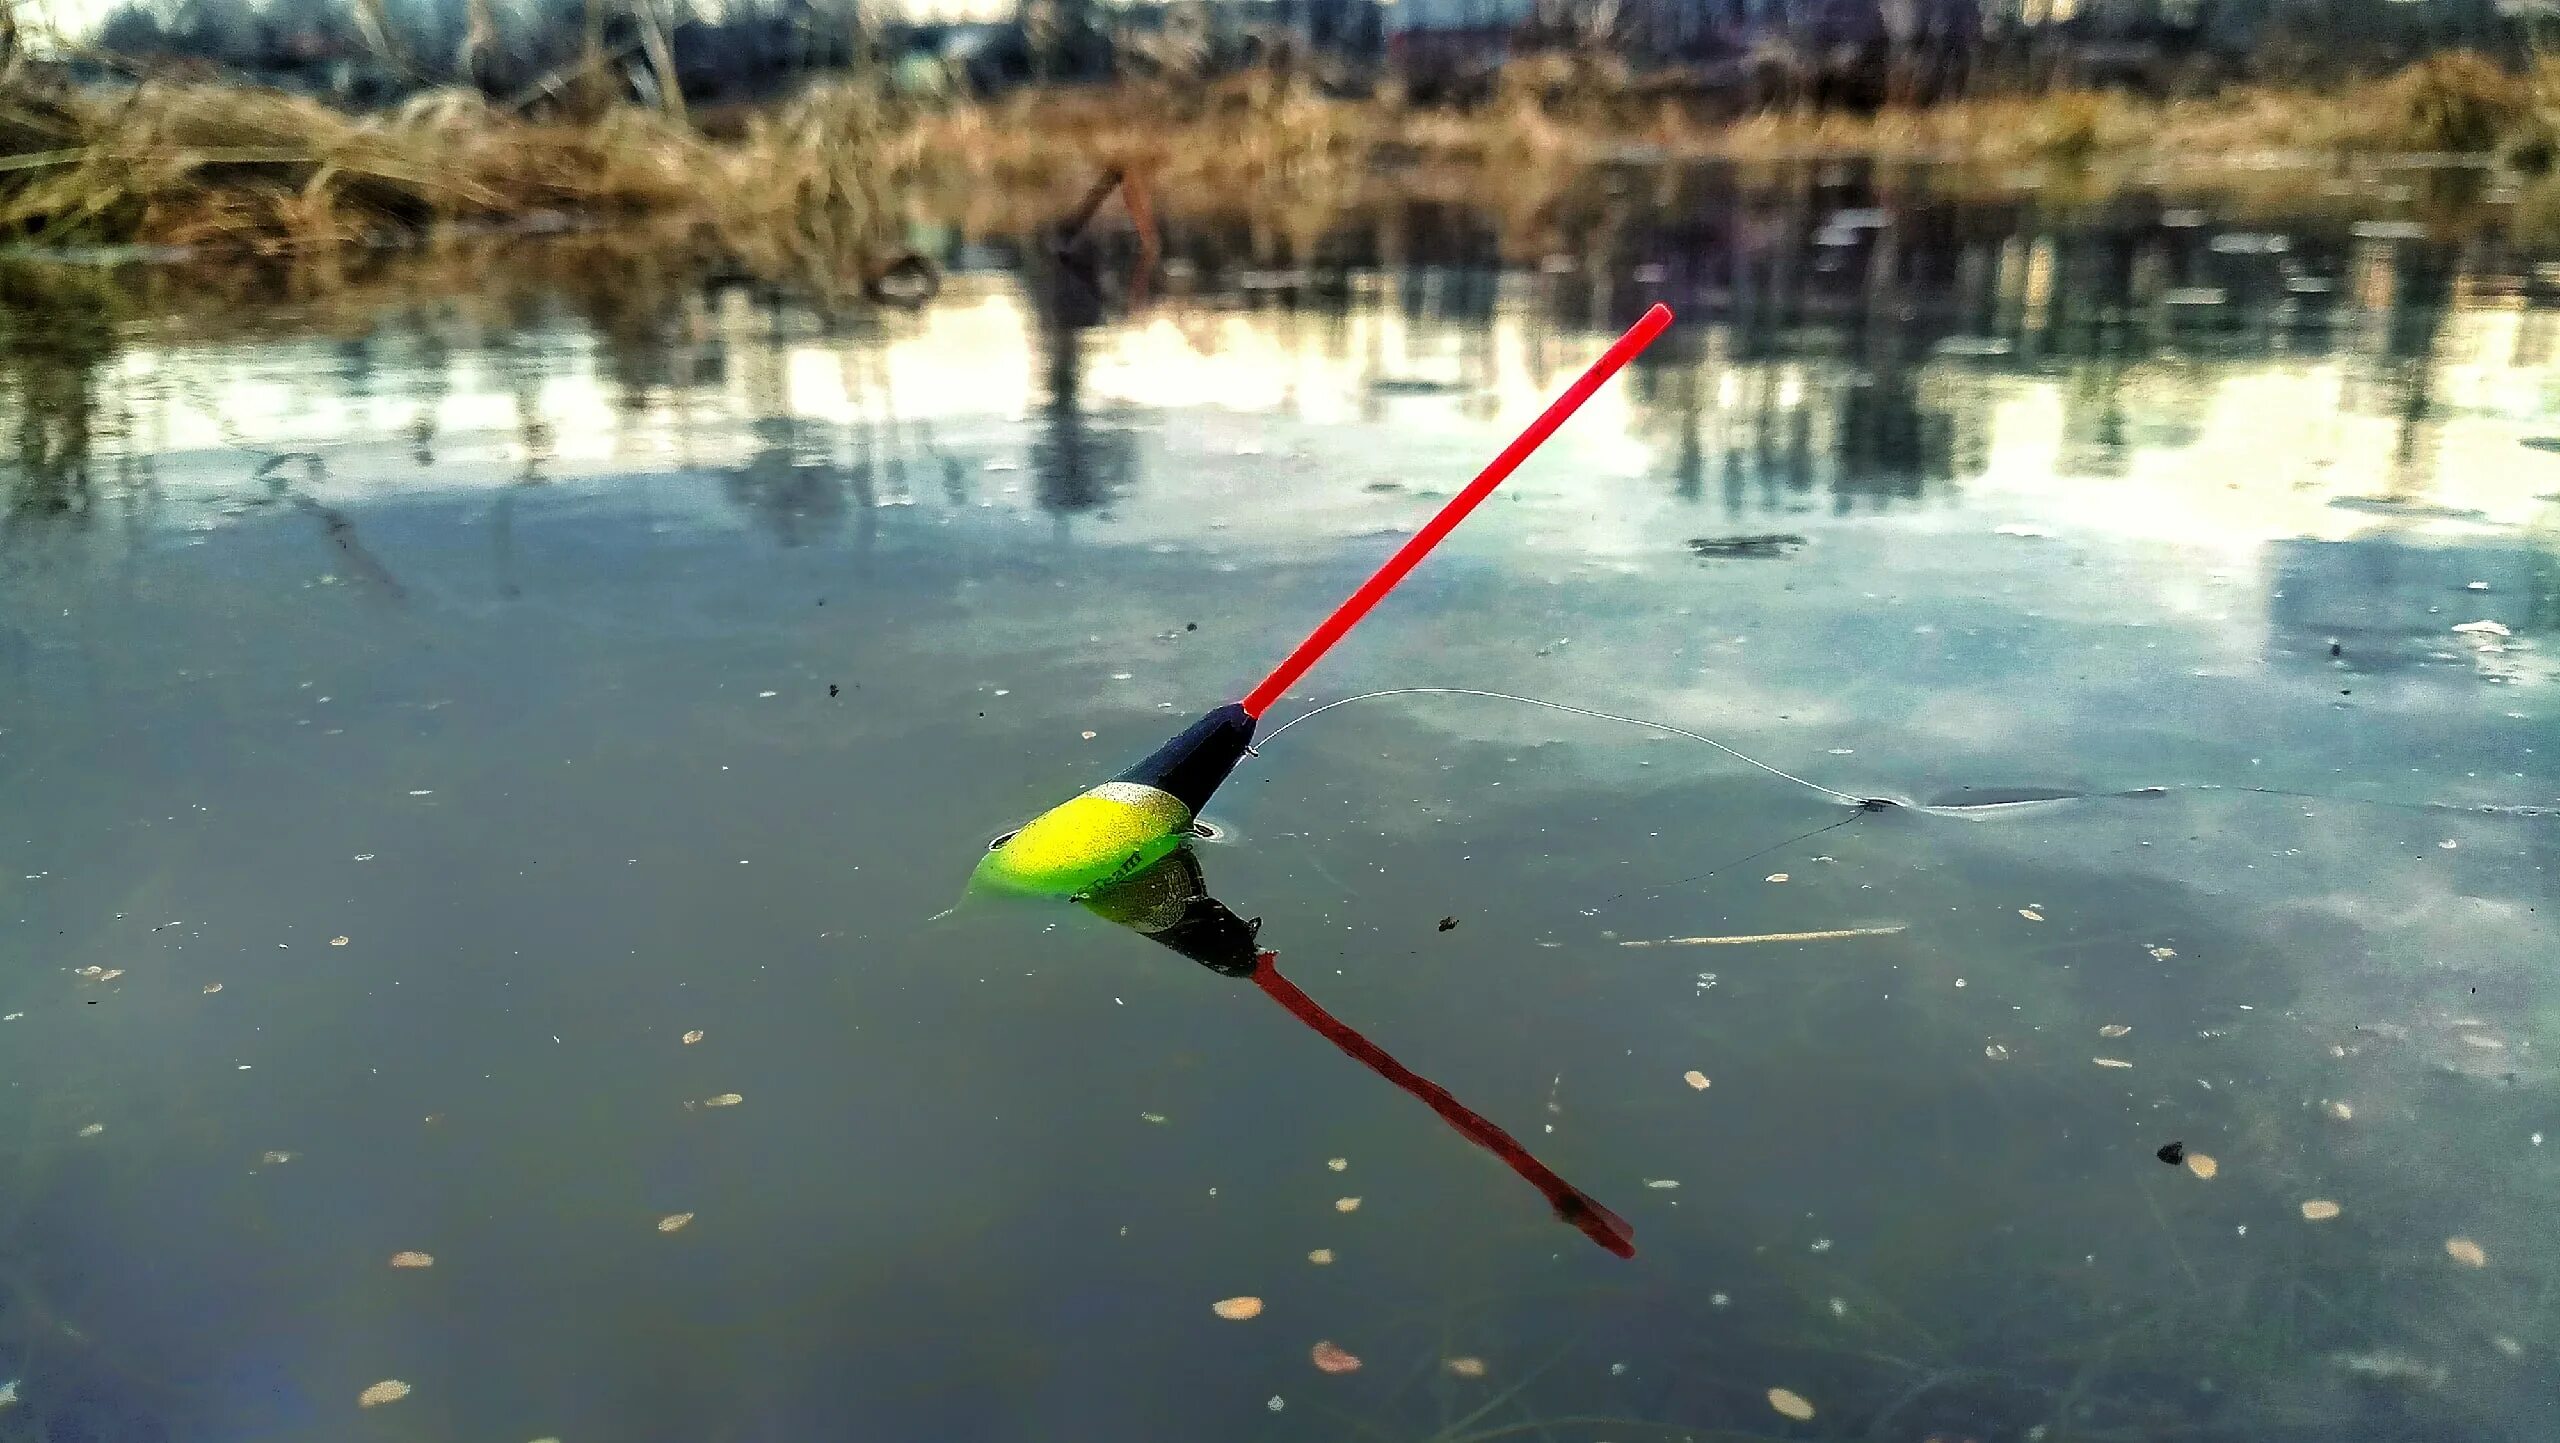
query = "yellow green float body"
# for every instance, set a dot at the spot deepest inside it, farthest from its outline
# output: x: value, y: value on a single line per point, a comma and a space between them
x: 1125, y: 825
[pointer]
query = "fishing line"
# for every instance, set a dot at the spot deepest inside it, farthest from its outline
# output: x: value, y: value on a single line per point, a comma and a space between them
x: 1968, y: 810
x: 1863, y: 803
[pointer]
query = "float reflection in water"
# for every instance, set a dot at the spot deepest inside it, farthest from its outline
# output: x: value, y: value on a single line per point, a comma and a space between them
x: 1169, y: 902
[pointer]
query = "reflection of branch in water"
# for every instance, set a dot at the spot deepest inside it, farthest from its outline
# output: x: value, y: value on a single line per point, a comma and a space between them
x: 339, y: 531
x: 1170, y: 902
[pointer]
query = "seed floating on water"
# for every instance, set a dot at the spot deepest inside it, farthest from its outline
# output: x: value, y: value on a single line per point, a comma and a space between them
x: 337, y: 941
x: 1331, y: 1357
x: 1695, y: 1079
x: 1466, y: 1367
x: 674, y: 1222
x: 1346, y: 1204
x: 2319, y: 1210
x: 1777, y: 876
x: 1791, y: 1405
x: 413, y: 1260
x: 2031, y: 914
x: 726, y: 1099
x: 693, y: 1037
x: 2202, y: 1165
x: 2465, y: 1252
x: 1236, y: 1310
x: 389, y: 1390
x: 2110, y: 1062
x: 2114, y: 1029
x: 1321, y: 1257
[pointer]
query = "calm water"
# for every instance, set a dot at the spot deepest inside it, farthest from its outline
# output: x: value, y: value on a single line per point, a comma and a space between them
x: 416, y: 723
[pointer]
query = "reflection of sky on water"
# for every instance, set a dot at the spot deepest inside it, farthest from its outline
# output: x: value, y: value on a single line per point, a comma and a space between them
x: 671, y: 683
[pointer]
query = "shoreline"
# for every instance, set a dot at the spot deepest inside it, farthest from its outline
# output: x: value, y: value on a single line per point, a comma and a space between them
x: 825, y: 189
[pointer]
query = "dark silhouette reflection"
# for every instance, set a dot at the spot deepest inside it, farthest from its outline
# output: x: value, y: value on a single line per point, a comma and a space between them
x: 56, y: 331
x: 791, y: 484
x: 1170, y: 903
x: 1080, y: 466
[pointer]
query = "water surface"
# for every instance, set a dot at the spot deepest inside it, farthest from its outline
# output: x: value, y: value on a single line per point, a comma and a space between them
x: 415, y: 723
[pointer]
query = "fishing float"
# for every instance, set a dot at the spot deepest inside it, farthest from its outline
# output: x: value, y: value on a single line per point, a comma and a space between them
x: 1120, y: 828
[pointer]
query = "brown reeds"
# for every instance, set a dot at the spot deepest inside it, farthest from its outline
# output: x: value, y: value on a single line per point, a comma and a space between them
x: 824, y: 186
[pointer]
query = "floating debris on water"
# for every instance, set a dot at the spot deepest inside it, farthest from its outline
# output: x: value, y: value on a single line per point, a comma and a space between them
x: 693, y: 1037
x: 1154, y: 1117
x: 9, y: 1393
x: 337, y: 941
x: 1321, y: 1257
x: 1775, y: 543
x: 726, y: 1099
x: 1695, y: 1079
x: 2172, y: 1154
x: 2343, y: 1112
x: 674, y: 1222
x: 2319, y: 1210
x: 1661, y: 1182
x: 2110, y: 1062
x: 1995, y: 1052
x: 2465, y: 1252
x: 413, y: 1260
x: 1338, y: 1164
x: 2162, y: 954
x: 211, y: 988
x: 2202, y: 1164
x: 1465, y: 1367
x: 2390, y: 1366
x: 1777, y: 876
x: 2114, y: 1029
x: 389, y: 1390
x: 1833, y: 935
x: 1791, y: 1405
x: 93, y: 1129
x: 275, y: 1157
x: 1236, y: 1310
x: 1330, y: 1357
x: 1276, y: 1403
x: 2483, y: 628
x: 1346, y: 1204
x: 2031, y: 914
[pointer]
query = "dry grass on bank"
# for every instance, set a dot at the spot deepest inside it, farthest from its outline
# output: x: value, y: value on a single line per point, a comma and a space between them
x: 828, y: 183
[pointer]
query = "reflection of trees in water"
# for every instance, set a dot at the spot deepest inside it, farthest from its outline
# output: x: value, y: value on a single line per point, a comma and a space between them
x: 791, y: 485
x: 1079, y: 467
x: 57, y: 329
x: 795, y: 493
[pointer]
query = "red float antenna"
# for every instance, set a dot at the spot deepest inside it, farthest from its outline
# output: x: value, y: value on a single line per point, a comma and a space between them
x: 1409, y: 555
